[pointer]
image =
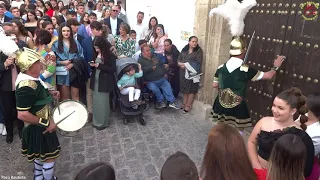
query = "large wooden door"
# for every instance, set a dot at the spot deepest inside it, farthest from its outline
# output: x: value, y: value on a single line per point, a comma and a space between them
x: 282, y: 28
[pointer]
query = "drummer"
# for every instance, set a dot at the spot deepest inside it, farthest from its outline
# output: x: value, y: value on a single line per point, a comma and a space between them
x: 33, y: 101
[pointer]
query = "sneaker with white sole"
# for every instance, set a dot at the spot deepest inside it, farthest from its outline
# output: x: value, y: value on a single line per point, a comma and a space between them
x: 4, y: 132
x: 2, y: 127
x: 174, y: 105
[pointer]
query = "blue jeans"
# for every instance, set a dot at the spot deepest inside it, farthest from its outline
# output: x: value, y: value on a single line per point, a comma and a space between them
x: 162, y: 83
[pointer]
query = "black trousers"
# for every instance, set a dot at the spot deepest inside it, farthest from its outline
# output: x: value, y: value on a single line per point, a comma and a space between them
x: 8, y: 100
x: 174, y: 81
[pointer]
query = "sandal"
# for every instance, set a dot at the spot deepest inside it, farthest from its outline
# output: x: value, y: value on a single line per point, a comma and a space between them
x: 182, y: 106
x: 186, y: 109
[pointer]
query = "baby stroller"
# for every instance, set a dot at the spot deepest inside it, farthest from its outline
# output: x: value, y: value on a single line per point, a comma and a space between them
x: 125, y: 106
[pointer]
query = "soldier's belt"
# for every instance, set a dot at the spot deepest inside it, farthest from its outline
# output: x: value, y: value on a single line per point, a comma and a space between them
x: 228, y: 99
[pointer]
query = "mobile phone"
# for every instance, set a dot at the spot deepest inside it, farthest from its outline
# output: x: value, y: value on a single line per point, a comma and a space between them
x: 161, y: 31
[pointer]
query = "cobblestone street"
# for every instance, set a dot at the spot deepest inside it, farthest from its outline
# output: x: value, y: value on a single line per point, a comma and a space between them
x: 136, y: 152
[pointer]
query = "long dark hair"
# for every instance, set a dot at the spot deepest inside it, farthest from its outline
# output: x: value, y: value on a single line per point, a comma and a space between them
x: 97, y: 171
x: 104, y: 47
x: 43, y: 37
x: 73, y: 46
x: 49, y: 4
x: 33, y: 13
x: 186, y: 48
x: 21, y: 27
x: 150, y: 27
x: 226, y: 156
x: 155, y: 35
x: 287, y: 159
x: 296, y: 100
x: 82, y: 17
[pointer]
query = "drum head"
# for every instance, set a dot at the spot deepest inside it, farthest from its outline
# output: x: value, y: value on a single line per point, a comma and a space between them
x: 75, y: 121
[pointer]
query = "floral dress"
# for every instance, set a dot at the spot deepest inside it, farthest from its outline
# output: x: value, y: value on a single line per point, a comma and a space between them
x: 124, y: 48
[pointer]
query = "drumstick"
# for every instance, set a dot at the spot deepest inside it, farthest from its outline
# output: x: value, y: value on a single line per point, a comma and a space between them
x: 57, y: 104
x: 60, y: 121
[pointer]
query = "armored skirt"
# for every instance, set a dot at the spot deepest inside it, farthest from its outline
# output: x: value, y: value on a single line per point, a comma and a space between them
x: 230, y: 107
x: 33, y: 97
x: 237, y: 116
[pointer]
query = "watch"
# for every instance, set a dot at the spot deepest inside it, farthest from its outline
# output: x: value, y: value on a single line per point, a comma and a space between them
x: 275, y: 68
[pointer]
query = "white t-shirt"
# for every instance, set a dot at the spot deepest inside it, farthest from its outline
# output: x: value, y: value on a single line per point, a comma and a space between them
x: 99, y: 14
x: 139, y: 28
x: 113, y: 24
x: 16, y: 4
x: 313, y: 130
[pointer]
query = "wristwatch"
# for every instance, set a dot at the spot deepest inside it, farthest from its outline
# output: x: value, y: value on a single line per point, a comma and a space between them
x: 275, y: 68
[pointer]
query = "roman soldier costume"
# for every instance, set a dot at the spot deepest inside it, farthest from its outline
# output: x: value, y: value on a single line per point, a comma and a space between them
x: 32, y: 95
x: 233, y: 76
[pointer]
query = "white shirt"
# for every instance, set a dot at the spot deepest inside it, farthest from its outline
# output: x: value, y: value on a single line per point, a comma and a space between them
x: 234, y: 63
x: 16, y: 4
x: 137, y: 55
x: 113, y: 24
x: 139, y: 28
x: 313, y: 130
x: 2, y: 20
x: 99, y: 14
x: 75, y: 36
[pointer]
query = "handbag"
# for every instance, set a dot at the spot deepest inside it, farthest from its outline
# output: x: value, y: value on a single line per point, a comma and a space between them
x: 61, y: 71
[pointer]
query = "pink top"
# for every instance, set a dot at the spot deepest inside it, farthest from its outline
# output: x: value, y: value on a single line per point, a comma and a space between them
x: 160, y: 48
x: 88, y: 29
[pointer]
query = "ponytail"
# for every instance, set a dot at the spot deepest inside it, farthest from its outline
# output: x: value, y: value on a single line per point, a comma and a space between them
x: 303, y: 109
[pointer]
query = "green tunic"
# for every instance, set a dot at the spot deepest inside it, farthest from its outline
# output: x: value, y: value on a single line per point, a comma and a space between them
x: 229, y: 106
x: 33, y: 97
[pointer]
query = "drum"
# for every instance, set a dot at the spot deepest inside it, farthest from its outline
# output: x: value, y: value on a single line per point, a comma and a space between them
x: 77, y: 116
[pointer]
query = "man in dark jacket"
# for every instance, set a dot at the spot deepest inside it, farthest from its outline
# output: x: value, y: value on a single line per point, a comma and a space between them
x: 113, y: 21
x: 8, y: 74
x: 88, y: 53
x: 154, y: 73
x: 172, y: 54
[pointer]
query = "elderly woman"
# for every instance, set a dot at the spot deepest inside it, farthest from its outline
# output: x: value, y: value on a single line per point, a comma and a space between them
x: 125, y: 46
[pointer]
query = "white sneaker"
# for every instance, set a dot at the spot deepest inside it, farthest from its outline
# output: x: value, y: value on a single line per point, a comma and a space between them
x: 4, y: 132
x: 1, y: 127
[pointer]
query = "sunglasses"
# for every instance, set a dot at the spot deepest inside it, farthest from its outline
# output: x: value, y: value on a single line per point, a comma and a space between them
x: 115, y: 10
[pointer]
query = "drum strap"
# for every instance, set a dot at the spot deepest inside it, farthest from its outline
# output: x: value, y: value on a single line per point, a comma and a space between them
x: 48, y: 100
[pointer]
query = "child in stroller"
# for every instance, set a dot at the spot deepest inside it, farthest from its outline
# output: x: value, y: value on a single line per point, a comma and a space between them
x: 128, y: 85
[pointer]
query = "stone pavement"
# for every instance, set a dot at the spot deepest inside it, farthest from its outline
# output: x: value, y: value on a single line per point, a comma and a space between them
x: 136, y: 152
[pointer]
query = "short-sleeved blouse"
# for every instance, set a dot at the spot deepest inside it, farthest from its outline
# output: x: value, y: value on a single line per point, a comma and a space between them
x: 124, y: 48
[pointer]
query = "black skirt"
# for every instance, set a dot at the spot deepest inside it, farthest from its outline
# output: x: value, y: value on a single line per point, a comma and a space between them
x: 238, y: 116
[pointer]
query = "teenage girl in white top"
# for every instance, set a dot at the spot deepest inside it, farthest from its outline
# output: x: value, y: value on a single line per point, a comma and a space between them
x: 313, y: 125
